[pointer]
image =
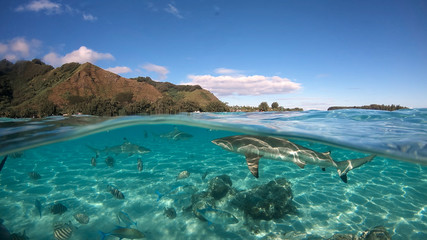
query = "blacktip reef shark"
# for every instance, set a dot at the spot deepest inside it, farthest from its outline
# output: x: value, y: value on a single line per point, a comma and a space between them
x: 176, y: 135
x: 280, y: 149
x: 125, y: 148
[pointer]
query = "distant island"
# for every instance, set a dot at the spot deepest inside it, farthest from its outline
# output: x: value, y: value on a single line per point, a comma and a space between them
x: 35, y: 89
x: 372, y: 106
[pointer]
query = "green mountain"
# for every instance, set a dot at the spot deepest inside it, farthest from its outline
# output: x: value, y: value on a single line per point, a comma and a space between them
x: 34, y: 89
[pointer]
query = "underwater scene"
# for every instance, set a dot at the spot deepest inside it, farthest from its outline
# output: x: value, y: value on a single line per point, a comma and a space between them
x: 344, y: 174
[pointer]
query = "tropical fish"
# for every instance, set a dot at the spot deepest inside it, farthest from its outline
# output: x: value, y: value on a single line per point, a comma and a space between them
x: 63, y: 231
x: 34, y: 175
x: 58, y: 208
x: 82, y: 218
x: 120, y: 232
x: 217, y: 216
x: 183, y: 174
x: 125, y: 148
x: 256, y: 147
x: 93, y: 161
x: 124, y: 218
x: 115, y: 192
x: 18, y: 236
x: 140, y: 164
x: 170, y: 212
x: 176, y: 191
x: 3, y: 162
x: 176, y: 135
x: 109, y: 161
x: 38, y: 206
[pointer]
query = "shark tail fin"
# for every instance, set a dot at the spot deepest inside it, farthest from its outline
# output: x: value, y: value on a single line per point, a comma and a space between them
x: 344, y: 167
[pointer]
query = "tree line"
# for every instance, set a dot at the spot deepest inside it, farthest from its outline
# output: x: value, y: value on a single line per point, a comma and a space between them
x: 372, y: 106
x: 121, y: 104
x: 263, y: 107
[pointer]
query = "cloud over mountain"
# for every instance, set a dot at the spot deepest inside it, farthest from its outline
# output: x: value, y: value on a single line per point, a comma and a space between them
x: 81, y: 55
x: 19, y: 48
x: 225, y: 85
x: 160, y: 70
x: 119, y: 69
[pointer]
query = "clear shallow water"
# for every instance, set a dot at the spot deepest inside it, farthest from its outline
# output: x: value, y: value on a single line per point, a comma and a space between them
x: 390, y: 191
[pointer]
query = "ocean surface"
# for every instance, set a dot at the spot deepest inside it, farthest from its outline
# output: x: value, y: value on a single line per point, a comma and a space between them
x: 389, y: 191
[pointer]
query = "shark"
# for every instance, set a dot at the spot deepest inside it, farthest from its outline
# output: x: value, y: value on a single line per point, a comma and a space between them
x: 255, y: 147
x: 125, y: 148
x: 176, y: 135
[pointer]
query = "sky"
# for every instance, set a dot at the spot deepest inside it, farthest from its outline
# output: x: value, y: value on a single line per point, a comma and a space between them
x: 304, y: 53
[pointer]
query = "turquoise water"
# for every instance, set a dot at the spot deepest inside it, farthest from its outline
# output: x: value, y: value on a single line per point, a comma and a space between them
x: 390, y: 191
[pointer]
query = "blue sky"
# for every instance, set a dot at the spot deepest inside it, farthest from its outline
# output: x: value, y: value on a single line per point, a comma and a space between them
x: 311, y: 53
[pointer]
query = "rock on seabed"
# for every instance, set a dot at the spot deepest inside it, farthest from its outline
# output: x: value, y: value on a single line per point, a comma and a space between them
x: 269, y: 201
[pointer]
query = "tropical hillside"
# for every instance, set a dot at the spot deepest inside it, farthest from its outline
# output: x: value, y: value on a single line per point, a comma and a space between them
x: 34, y: 89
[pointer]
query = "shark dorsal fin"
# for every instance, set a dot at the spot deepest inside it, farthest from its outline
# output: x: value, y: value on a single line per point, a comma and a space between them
x: 253, y: 162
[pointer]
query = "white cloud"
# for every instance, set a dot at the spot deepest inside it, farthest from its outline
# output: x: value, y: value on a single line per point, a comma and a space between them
x: 89, y: 17
x: 173, y: 10
x: 3, y: 48
x: 160, y: 70
x: 19, y: 48
x: 81, y: 55
x: 226, y: 71
x: 225, y: 85
x: 50, y: 7
x: 119, y: 69
x: 41, y: 5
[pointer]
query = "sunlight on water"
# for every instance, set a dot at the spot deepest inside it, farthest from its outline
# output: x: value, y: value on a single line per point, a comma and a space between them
x: 389, y: 191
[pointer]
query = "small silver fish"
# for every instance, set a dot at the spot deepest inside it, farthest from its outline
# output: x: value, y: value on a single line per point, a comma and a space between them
x: 140, y: 164
x: 58, y: 208
x: 116, y: 192
x: 109, y: 161
x: 62, y: 231
x: 93, y: 161
x: 81, y: 218
x: 130, y: 233
x: 183, y: 174
x: 34, y: 175
x: 217, y: 216
x: 124, y: 218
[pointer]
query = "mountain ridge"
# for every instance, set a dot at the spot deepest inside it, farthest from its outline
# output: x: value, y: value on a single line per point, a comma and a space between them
x: 34, y: 89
